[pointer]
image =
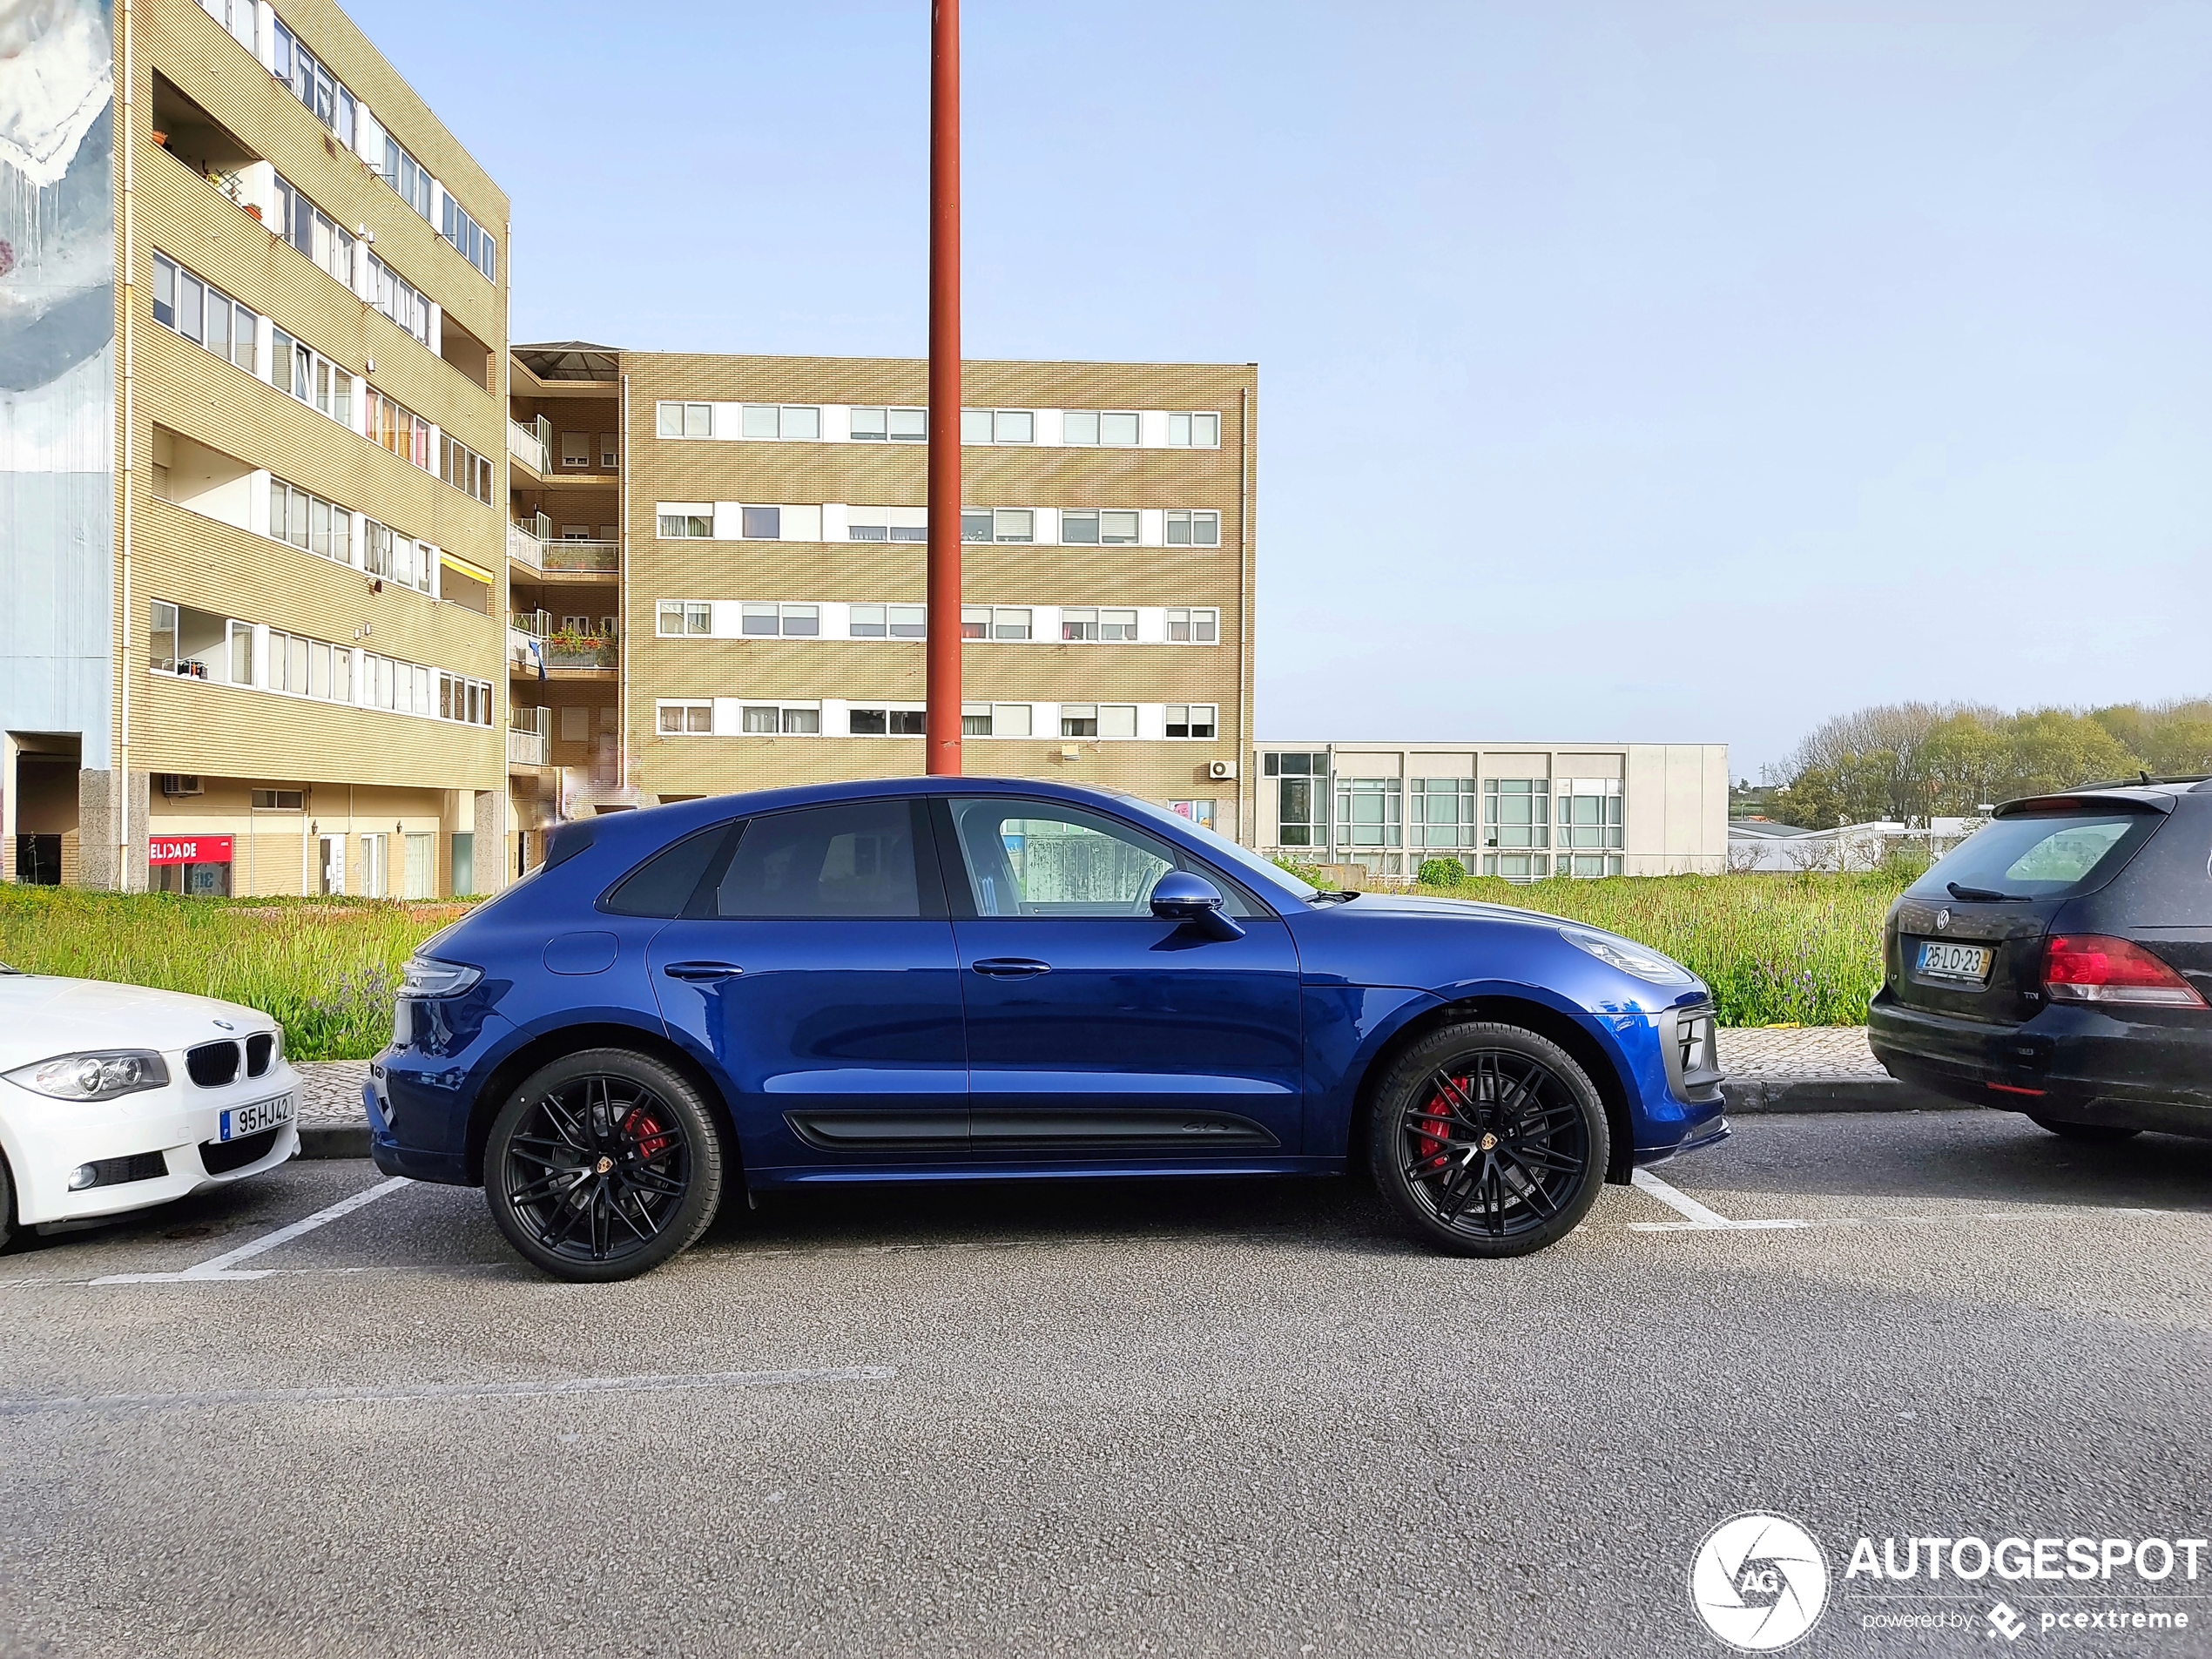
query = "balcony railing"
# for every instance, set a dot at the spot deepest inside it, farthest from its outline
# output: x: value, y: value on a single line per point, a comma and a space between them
x: 525, y: 549
x: 589, y: 653
x: 528, y: 748
x: 581, y: 557
x: 530, y: 444
x: 536, y: 624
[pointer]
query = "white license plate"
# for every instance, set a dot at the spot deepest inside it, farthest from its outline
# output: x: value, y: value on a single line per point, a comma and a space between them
x: 1963, y: 962
x: 242, y: 1121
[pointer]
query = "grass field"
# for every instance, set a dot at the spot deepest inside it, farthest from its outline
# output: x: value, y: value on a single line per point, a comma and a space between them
x: 1777, y: 949
x: 326, y: 968
x: 1797, y: 949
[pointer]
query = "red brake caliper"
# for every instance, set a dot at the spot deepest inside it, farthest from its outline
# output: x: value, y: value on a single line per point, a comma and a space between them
x: 651, y: 1138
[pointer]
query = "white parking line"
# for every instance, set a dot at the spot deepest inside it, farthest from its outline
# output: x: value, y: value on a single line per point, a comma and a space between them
x: 219, y: 1267
x: 30, y: 1405
x: 1700, y: 1218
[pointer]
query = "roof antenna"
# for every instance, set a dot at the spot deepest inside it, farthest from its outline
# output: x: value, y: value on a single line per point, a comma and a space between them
x: 2144, y: 775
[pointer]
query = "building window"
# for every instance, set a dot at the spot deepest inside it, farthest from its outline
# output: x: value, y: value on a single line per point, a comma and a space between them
x: 310, y: 522
x: 326, y: 97
x: 887, y: 622
x: 1097, y: 719
x: 1191, y: 720
x: 1301, y: 798
x: 1113, y: 428
x: 1516, y: 866
x: 998, y: 426
x: 1588, y: 813
x: 994, y: 621
x: 298, y: 370
x: 685, y: 720
x: 890, y: 426
x: 394, y: 557
x: 399, y: 300
x: 203, y: 313
x: 1106, y: 528
x: 685, y: 522
x: 313, y: 233
x: 1200, y: 812
x: 887, y: 524
x: 1368, y: 813
x: 887, y: 723
x: 474, y: 242
x: 465, y: 469
x: 787, y: 421
x: 279, y: 800
x: 766, y: 620
x: 1194, y: 432
x: 1083, y: 622
x: 686, y: 419
x: 1586, y: 865
x: 1003, y: 524
x: 770, y: 719
x: 1440, y: 812
x: 681, y: 616
x: 395, y: 427
x: 1193, y: 529
x: 406, y: 176
x: 1516, y: 811
x: 760, y: 524
x: 575, y: 450
x: 1194, y: 627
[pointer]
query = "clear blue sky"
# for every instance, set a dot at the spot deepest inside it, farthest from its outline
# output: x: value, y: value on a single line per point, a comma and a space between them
x: 1627, y: 371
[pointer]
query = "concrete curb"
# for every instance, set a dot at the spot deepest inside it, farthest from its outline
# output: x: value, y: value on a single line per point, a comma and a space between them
x: 334, y: 1140
x: 1860, y: 1094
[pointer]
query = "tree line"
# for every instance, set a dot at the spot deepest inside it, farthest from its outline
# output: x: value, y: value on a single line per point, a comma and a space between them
x: 1911, y: 761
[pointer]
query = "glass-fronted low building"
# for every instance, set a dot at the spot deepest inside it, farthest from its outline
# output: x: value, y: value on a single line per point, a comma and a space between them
x: 1522, y: 810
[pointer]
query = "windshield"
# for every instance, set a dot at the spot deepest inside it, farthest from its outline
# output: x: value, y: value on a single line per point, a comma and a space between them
x: 1246, y: 863
x: 2039, y: 855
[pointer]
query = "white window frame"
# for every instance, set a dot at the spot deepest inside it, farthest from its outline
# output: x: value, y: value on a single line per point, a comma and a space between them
x: 1122, y: 714
x: 172, y: 274
x: 916, y: 709
x: 1212, y: 722
x: 1193, y: 520
x: 1192, y: 428
x: 684, y: 708
x: 784, y: 613
x: 993, y: 626
x: 684, y: 515
x: 916, y: 422
x: 779, y: 418
x: 790, y: 716
x: 1006, y: 525
x: 1191, y: 615
x: 1096, y: 620
x: 687, y: 611
x: 894, y: 616
x: 687, y: 414
x: 981, y: 427
x: 1073, y: 422
x: 1128, y: 526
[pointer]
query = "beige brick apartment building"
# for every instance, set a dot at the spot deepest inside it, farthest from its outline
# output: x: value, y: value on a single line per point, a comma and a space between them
x: 718, y: 565
x: 252, y: 359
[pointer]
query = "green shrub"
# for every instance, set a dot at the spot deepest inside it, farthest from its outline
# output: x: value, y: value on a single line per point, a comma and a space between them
x: 1442, y: 872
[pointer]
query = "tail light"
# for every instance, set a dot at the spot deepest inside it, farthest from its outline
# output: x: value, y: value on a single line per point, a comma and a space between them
x: 2095, y: 967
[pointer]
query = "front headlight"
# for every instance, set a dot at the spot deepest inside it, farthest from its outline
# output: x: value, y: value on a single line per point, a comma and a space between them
x: 1629, y: 959
x: 426, y: 977
x: 103, y: 1075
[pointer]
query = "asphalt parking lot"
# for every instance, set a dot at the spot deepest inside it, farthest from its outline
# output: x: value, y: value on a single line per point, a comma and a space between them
x: 1237, y: 1418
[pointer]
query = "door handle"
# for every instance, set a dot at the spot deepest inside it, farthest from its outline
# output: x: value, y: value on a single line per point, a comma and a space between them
x: 1011, y: 967
x: 702, y: 973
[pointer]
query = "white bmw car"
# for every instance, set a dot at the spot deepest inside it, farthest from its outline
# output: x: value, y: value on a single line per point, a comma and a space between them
x: 113, y: 1097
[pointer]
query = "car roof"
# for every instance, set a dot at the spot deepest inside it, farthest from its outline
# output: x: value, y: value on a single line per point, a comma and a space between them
x: 2160, y: 795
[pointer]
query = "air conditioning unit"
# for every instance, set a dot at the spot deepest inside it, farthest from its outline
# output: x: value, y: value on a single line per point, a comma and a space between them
x: 1222, y: 769
x: 174, y: 783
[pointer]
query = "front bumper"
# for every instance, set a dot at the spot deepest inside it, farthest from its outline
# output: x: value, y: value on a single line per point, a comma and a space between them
x: 2078, y: 1064
x: 46, y: 1139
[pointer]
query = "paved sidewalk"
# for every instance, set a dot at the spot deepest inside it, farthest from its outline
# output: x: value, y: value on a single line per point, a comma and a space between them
x: 1797, y: 1069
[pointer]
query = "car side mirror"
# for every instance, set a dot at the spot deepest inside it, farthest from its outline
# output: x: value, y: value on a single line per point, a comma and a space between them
x: 1179, y: 896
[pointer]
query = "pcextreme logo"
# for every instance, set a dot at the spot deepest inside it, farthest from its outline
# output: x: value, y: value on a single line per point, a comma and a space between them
x: 1759, y: 1582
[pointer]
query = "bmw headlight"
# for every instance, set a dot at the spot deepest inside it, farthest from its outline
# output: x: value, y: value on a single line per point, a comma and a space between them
x: 103, y: 1075
x: 1628, y: 958
x: 426, y: 977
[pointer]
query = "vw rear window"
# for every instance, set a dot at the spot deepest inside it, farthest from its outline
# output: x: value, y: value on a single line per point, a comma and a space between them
x: 2040, y: 855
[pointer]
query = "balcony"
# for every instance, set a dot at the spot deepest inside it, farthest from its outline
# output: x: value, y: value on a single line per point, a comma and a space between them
x: 580, y: 558
x: 529, y: 748
x: 524, y: 548
x: 532, y: 444
x: 562, y: 652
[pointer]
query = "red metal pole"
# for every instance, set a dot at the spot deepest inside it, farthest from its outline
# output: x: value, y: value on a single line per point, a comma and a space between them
x: 942, y: 721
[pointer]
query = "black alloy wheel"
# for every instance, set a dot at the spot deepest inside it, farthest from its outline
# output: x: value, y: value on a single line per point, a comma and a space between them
x: 1488, y: 1140
x: 603, y: 1165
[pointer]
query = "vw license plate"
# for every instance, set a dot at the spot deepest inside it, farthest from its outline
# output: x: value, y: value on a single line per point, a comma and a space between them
x: 1968, y: 964
x: 242, y: 1121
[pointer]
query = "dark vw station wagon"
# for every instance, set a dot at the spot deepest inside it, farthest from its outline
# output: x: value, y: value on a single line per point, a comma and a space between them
x: 2058, y: 963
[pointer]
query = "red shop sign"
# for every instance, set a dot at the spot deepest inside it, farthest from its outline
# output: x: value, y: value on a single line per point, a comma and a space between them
x: 189, y: 849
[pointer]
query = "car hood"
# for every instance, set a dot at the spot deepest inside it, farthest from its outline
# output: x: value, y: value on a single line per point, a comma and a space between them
x: 1407, y: 904
x: 41, y: 1017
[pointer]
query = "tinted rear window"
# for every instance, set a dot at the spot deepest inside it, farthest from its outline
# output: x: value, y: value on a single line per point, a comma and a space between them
x: 662, y: 884
x: 2040, y: 855
x: 852, y: 860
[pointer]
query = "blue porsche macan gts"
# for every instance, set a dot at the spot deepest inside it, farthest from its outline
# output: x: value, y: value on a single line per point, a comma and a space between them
x: 939, y: 978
